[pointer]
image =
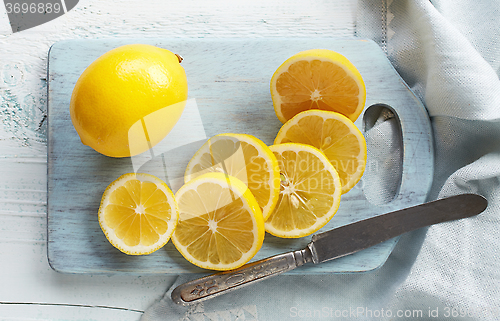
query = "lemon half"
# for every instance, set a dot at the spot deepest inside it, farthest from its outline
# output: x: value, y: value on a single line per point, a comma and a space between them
x: 336, y: 136
x: 309, y: 193
x: 138, y: 213
x: 220, y: 223
x: 317, y: 79
x: 244, y: 157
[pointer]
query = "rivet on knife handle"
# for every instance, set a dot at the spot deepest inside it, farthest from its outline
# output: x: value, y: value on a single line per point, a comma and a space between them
x: 223, y: 282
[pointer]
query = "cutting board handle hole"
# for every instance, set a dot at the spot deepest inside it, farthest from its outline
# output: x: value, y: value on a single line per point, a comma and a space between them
x: 384, y: 164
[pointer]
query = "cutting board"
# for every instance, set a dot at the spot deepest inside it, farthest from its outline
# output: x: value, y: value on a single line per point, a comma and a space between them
x: 228, y: 92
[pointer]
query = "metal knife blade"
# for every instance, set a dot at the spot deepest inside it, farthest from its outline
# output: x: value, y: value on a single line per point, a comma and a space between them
x: 333, y: 244
x: 360, y: 235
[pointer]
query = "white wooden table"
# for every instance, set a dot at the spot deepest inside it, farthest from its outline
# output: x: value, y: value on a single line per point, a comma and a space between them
x: 29, y: 288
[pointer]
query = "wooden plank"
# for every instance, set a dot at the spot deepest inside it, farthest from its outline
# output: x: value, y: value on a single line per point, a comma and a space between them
x: 229, y: 92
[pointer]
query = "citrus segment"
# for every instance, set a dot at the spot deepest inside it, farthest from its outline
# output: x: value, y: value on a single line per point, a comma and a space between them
x: 334, y: 134
x: 138, y: 213
x: 309, y: 191
x: 317, y: 79
x: 220, y: 223
x: 244, y: 157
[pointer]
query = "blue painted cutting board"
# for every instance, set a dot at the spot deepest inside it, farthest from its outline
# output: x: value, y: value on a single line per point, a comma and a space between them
x: 228, y: 92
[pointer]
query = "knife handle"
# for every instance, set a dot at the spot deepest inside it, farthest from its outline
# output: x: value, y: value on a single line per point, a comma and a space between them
x: 223, y: 282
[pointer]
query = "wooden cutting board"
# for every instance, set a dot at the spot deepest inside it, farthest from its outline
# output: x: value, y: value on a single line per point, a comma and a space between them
x: 228, y: 92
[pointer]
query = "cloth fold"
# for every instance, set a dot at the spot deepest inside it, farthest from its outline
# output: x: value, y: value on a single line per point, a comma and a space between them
x: 448, y: 53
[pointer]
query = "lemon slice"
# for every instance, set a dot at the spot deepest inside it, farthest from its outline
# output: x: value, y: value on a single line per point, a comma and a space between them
x: 244, y: 157
x: 309, y: 193
x: 138, y: 213
x: 220, y: 223
x: 336, y: 136
x: 317, y: 79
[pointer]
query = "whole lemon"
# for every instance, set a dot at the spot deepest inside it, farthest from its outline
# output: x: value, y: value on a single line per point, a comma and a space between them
x: 129, y: 99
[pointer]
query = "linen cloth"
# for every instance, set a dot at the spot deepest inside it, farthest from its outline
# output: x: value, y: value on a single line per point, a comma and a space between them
x: 448, y: 53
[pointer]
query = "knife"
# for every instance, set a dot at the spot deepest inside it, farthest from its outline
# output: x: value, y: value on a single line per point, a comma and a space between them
x: 333, y: 244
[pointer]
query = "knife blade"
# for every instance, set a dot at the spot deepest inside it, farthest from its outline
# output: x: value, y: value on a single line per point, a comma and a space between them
x: 336, y: 243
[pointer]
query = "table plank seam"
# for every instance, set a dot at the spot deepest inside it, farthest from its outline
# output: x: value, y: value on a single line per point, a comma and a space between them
x: 71, y: 305
x: 23, y: 214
